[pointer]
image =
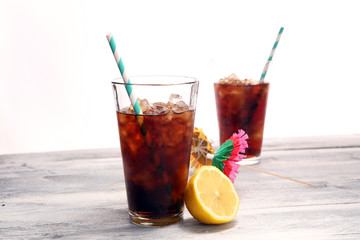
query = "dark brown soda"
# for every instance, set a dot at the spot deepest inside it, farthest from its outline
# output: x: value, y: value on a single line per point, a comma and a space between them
x: 156, y: 175
x: 242, y: 106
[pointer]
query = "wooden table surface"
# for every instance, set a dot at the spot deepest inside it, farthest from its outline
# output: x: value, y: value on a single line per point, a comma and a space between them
x: 81, y: 195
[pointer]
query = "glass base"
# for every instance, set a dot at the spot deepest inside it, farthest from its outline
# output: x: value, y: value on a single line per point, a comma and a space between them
x: 157, y: 222
x: 250, y: 161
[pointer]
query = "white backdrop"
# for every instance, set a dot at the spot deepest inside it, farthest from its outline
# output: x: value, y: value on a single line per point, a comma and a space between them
x: 56, y: 65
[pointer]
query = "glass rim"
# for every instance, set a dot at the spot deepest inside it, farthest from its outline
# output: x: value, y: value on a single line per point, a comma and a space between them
x: 191, y: 80
x: 243, y: 85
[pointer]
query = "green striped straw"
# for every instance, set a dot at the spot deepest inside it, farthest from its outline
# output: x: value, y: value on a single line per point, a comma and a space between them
x: 129, y: 88
x: 271, y: 55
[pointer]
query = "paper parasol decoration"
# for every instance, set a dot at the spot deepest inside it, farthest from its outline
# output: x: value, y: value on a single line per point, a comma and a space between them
x: 200, y: 148
x: 230, y: 153
x: 225, y: 159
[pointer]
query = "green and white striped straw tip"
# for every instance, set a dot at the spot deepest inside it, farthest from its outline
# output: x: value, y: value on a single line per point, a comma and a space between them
x: 271, y: 55
x: 121, y: 66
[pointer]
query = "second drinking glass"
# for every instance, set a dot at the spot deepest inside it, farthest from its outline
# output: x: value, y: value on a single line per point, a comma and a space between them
x: 242, y: 105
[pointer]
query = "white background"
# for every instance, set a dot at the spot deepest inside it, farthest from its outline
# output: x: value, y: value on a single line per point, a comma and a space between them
x: 56, y: 65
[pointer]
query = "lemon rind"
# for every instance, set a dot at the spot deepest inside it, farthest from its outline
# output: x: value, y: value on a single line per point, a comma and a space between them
x: 214, y: 217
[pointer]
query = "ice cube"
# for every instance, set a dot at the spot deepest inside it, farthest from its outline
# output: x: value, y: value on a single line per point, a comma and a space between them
x: 174, y: 98
x: 159, y: 108
x: 144, y: 105
x: 248, y: 81
x: 130, y: 110
x: 146, y: 179
x: 231, y: 79
x: 180, y: 107
x: 234, y: 79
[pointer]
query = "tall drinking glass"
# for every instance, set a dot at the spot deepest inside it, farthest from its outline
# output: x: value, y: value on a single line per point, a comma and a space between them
x: 242, y: 106
x: 155, y: 145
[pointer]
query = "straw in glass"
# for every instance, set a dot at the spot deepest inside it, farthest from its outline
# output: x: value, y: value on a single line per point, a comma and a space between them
x: 120, y: 64
x: 271, y: 55
x: 129, y: 88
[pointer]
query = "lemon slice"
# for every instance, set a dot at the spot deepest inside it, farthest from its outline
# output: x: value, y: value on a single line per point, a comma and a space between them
x: 211, y: 197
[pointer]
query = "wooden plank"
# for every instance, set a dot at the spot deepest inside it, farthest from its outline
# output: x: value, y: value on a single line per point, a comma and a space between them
x: 81, y: 195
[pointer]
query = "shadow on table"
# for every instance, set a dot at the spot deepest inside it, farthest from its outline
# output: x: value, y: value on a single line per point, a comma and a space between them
x: 192, y: 225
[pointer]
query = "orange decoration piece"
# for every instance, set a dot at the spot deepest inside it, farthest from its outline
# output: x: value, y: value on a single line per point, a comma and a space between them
x: 200, y: 147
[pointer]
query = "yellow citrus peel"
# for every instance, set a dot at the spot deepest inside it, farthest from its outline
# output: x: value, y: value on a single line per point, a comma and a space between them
x: 210, y: 196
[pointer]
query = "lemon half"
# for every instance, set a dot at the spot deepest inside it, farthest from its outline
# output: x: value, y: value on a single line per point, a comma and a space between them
x: 210, y: 196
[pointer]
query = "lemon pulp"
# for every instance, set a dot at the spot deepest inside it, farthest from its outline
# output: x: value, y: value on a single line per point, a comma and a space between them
x: 211, y: 197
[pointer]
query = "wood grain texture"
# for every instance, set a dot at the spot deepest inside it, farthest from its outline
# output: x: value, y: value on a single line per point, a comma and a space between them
x: 81, y: 195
